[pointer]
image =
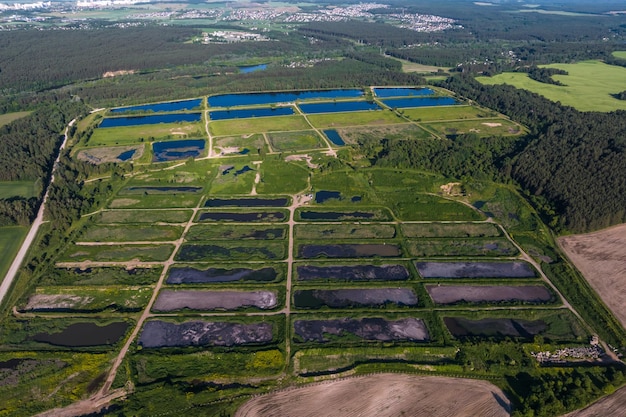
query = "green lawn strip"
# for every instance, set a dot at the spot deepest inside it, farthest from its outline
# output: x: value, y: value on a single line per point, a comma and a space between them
x: 191, y: 173
x: 142, y: 216
x: 332, y: 359
x: 204, y: 232
x: 88, y: 299
x: 130, y: 233
x: 57, y: 378
x: 255, y: 143
x: 357, y: 118
x: 100, y: 276
x: 278, y: 176
x: 7, y: 118
x: 352, y: 135
x: 344, y: 231
x: 151, y: 201
x: 24, y: 189
x: 127, y: 135
x: 257, y: 125
x: 436, y: 230
x: 588, y: 85
x: 116, y: 253
x: 504, y: 204
x: 498, y: 246
x: 229, y: 250
x: 482, y: 127
x: 110, y: 153
x: 295, y: 141
x: 388, y: 181
x: 11, y: 238
x: 440, y: 113
x: 426, y: 207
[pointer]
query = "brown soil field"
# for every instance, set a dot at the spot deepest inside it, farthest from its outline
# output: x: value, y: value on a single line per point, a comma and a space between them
x: 612, y: 405
x: 171, y: 300
x: 600, y: 258
x: 449, y: 294
x: 384, y: 395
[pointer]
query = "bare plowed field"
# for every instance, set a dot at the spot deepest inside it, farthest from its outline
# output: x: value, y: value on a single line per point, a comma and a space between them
x: 613, y: 405
x: 600, y: 258
x: 384, y: 395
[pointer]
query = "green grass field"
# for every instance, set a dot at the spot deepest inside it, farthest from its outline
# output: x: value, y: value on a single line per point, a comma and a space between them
x: 128, y: 135
x: 7, y: 118
x: 278, y: 176
x: 130, y: 233
x: 588, y: 85
x: 481, y: 127
x: 11, y: 238
x: 234, y: 144
x: 117, y: 253
x: 398, y: 131
x: 143, y: 216
x: 24, y: 189
x: 257, y: 125
x: 619, y: 54
x: 428, y: 114
x: 295, y: 141
x: 356, y: 118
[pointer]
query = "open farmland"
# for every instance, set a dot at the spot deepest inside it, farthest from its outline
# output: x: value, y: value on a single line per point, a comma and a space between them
x: 385, y: 395
x: 600, y: 258
x: 611, y: 405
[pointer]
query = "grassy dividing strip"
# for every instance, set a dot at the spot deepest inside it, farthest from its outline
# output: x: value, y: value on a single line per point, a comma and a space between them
x: 142, y: 216
x: 256, y: 125
x: 171, y: 200
x: 130, y: 233
x: 128, y: 135
x: 357, y: 118
x: 116, y: 253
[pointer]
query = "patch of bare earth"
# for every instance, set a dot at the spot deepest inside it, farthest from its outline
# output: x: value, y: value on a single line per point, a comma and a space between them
x: 384, y: 395
x: 600, y: 258
x: 613, y: 405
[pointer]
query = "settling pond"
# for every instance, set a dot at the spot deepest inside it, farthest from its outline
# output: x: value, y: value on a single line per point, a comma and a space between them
x: 402, y: 103
x: 217, y: 216
x: 409, y: 329
x: 84, y: 334
x: 228, y: 100
x: 515, y: 269
x: 349, y: 250
x: 177, y: 149
x: 402, y: 91
x: 494, y: 327
x: 357, y: 297
x: 245, y: 113
x: 172, y: 300
x: 150, y: 120
x: 353, y: 272
x: 157, y: 333
x: 452, y: 294
x: 338, y: 107
x: 188, y: 275
x: 162, y: 107
x: 334, y: 137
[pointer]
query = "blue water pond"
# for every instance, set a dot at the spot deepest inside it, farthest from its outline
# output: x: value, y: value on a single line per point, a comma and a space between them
x: 151, y: 120
x: 177, y: 149
x: 228, y: 100
x: 161, y: 107
x: 402, y: 91
x: 242, y: 114
x: 334, y: 137
x: 336, y: 107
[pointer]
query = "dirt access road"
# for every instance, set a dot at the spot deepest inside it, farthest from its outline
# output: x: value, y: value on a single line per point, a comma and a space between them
x: 21, y: 254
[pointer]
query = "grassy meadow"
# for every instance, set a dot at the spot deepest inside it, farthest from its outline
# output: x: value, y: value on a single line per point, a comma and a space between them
x: 589, y: 85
